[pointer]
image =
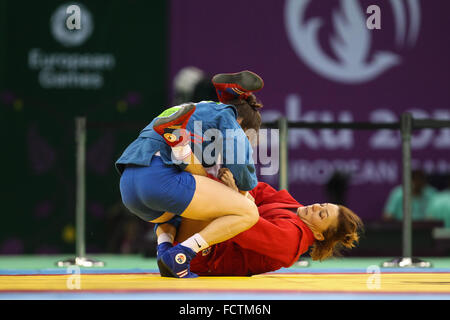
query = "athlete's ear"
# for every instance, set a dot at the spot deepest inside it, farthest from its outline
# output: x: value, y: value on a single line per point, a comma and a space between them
x: 318, y: 235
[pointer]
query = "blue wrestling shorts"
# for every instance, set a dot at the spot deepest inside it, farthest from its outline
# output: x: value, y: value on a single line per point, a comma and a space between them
x: 150, y: 191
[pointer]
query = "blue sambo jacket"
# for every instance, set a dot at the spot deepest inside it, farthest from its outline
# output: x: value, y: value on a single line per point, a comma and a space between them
x: 217, y: 124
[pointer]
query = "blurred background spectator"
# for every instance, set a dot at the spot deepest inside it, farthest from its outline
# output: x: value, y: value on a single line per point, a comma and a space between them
x: 439, y: 206
x: 337, y: 188
x: 422, y: 193
x: 191, y: 84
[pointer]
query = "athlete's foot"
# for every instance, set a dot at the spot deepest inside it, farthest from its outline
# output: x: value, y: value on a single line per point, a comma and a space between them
x: 175, y: 262
x: 171, y: 124
x: 161, y: 248
x: 240, y: 85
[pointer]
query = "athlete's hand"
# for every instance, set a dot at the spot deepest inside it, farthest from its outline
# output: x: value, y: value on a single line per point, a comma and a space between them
x: 227, y: 178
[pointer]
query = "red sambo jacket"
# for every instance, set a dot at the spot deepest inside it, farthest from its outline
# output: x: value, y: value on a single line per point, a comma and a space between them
x: 276, y: 240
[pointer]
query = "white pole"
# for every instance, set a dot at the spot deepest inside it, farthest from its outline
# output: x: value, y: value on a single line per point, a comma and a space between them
x: 80, y: 201
x: 284, y: 162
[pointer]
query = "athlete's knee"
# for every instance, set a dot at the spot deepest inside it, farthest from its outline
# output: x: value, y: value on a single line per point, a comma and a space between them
x: 251, y: 214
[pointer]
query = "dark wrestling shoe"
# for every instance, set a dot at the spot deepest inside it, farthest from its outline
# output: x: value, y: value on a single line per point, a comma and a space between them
x: 240, y: 85
x: 171, y: 124
x: 175, y: 262
x: 161, y: 249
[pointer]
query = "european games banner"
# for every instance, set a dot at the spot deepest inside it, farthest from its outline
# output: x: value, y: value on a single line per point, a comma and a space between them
x: 332, y: 60
x: 103, y: 59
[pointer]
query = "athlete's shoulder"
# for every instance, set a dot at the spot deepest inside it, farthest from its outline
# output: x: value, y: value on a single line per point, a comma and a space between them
x: 217, y: 107
x: 216, y: 115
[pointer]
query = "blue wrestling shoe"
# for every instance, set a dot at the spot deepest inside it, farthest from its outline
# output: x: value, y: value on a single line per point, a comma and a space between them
x: 160, y: 250
x: 175, y: 262
x: 162, y: 247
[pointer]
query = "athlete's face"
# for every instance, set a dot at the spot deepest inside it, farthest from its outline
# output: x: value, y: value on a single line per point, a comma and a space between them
x: 319, y: 217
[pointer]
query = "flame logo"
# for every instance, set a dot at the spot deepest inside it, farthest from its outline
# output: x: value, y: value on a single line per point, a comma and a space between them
x: 351, y: 42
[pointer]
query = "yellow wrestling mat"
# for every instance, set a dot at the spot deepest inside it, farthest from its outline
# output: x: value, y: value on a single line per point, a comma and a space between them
x: 269, y: 283
x: 134, y: 277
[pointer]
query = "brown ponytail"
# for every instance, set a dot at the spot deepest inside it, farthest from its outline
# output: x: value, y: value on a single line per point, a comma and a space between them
x: 336, y: 239
x: 248, y: 111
